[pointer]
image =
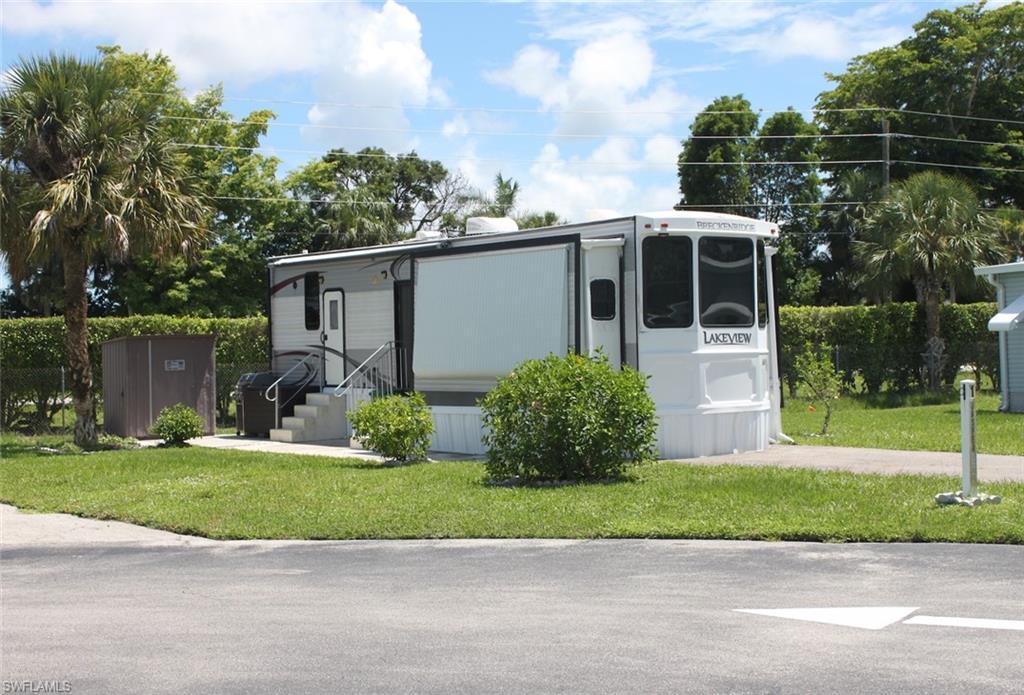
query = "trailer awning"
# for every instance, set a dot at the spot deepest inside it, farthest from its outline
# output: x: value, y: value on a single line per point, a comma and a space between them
x: 1008, y: 318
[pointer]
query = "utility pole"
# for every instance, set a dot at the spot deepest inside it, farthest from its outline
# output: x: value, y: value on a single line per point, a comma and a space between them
x: 885, y: 156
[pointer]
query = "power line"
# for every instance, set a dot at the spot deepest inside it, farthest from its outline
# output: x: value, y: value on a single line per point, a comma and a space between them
x: 638, y: 163
x: 553, y: 135
x: 916, y: 136
x: 622, y: 112
x: 958, y: 166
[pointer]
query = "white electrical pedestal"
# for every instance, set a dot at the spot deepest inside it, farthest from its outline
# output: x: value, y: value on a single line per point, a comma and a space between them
x: 968, y: 495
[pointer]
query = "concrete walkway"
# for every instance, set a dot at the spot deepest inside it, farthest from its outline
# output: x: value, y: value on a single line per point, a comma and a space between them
x: 839, y: 458
x: 990, y: 466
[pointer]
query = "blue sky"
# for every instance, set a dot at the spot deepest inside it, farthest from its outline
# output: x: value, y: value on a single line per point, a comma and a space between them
x: 485, y: 87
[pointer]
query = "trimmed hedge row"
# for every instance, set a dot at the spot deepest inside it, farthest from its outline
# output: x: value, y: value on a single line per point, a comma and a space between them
x: 37, y: 342
x: 883, y: 344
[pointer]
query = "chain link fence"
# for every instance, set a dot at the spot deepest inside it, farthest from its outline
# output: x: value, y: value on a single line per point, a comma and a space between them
x: 862, y: 373
x: 38, y: 399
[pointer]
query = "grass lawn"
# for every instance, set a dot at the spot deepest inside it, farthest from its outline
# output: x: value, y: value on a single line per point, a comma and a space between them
x: 905, y: 422
x: 232, y: 494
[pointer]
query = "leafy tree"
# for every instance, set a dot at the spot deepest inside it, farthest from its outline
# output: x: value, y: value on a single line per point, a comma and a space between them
x: 532, y: 220
x: 964, y: 61
x: 931, y: 230
x: 87, y: 171
x: 719, y: 136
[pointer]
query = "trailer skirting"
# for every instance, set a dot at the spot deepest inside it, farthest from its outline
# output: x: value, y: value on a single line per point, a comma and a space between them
x: 681, y: 434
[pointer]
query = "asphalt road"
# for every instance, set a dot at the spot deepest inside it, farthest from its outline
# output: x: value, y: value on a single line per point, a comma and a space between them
x: 503, y: 616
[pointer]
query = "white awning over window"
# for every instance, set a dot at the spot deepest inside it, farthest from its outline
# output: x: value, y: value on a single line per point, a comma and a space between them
x: 1008, y: 318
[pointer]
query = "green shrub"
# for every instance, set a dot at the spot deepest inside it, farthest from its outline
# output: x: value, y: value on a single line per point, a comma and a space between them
x: 397, y: 427
x: 816, y: 371
x: 568, y: 418
x: 177, y: 424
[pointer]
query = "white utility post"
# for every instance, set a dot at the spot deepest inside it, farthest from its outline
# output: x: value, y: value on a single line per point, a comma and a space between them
x: 967, y: 431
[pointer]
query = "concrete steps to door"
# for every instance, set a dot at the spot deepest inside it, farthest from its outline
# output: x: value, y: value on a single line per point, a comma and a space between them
x: 321, y: 417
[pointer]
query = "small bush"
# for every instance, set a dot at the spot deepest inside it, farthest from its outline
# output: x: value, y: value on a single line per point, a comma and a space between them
x: 817, y: 372
x: 397, y: 427
x: 177, y: 424
x: 568, y: 418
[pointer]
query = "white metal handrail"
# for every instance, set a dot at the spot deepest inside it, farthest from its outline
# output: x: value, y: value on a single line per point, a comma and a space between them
x: 275, y: 386
x: 348, y: 382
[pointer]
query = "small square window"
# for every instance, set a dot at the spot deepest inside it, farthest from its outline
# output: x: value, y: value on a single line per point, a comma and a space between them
x: 602, y: 300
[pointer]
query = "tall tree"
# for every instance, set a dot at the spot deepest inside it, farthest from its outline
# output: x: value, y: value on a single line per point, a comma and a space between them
x: 931, y: 230
x: 965, y: 61
x: 87, y: 171
x: 712, y: 166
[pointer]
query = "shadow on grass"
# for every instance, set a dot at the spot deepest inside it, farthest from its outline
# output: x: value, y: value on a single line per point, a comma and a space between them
x: 542, y: 483
x: 894, y: 399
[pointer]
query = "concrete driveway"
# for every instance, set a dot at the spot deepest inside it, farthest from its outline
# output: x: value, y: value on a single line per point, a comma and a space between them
x: 87, y: 605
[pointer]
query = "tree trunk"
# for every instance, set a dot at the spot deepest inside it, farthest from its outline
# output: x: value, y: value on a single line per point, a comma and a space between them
x: 932, y: 305
x: 76, y: 344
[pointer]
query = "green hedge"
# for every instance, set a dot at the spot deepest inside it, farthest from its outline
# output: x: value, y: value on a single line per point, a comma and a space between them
x: 883, y: 344
x: 33, y: 343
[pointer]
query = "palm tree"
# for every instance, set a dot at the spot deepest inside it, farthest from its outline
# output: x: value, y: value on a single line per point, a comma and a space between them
x: 86, y: 173
x: 930, y: 229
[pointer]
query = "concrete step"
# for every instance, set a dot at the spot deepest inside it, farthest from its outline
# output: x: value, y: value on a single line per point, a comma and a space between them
x: 320, y: 399
x: 282, y: 435
x: 295, y: 423
x: 311, y: 411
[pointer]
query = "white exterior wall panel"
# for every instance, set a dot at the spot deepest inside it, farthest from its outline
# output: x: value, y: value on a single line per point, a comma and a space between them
x: 1014, y: 285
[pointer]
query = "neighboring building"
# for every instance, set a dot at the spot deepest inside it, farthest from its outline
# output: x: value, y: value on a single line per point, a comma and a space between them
x: 1008, y: 322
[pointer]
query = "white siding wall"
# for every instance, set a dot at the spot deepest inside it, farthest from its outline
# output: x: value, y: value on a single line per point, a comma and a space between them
x: 1014, y: 284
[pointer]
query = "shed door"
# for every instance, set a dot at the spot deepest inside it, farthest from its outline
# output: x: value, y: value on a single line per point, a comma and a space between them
x: 334, y: 337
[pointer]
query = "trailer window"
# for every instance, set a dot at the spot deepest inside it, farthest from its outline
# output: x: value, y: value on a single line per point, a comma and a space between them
x: 668, y: 282
x: 762, y: 286
x: 311, y: 289
x: 602, y: 300
x: 726, y: 281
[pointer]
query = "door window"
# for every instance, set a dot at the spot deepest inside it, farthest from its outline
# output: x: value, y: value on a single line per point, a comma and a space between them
x: 332, y: 314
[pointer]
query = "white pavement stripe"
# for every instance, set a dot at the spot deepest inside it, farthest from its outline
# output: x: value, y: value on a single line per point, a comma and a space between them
x: 864, y: 617
x: 985, y: 623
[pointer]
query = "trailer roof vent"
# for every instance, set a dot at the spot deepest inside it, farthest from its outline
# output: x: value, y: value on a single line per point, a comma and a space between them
x: 490, y: 225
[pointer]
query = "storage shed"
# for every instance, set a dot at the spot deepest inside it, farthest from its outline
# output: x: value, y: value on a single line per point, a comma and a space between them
x: 1008, y: 322
x: 143, y: 375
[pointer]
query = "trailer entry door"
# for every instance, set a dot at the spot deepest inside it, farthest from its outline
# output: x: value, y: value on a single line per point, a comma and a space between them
x: 334, y: 337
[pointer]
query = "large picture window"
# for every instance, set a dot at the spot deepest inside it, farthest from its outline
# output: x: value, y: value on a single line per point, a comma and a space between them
x: 668, y: 282
x: 311, y: 289
x: 726, y: 282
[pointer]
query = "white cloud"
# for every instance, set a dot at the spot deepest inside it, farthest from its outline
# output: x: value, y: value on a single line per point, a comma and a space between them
x: 365, y: 55
x: 606, y: 86
x: 774, y: 30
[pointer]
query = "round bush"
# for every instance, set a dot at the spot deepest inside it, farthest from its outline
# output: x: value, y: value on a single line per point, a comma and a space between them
x: 177, y: 424
x: 568, y: 418
x: 397, y: 427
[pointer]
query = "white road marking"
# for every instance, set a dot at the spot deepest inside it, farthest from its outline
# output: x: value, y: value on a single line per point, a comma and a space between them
x: 864, y: 617
x: 986, y: 623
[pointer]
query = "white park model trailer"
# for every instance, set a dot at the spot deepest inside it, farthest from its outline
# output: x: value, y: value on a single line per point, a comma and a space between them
x: 681, y: 296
